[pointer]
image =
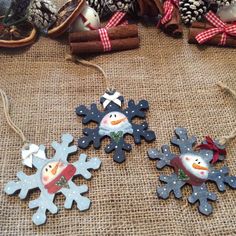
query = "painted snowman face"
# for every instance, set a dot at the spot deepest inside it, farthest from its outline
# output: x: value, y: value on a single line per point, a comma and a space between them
x: 114, y: 122
x: 51, y: 171
x: 87, y: 20
x: 196, y: 165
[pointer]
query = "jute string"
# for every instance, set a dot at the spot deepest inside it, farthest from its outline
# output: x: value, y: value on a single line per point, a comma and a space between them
x: 76, y: 59
x: 226, y: 139
x: 6, y: 109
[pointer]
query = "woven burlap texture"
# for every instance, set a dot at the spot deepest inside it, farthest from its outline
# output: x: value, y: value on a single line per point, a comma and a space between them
x: 178, y: 80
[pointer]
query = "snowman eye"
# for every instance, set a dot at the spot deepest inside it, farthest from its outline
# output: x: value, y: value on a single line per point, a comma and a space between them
x: 110, y: 116
x: 196, y: 160
x: 199, y: 162
x: 46, y: 169
x: 50, y: 166
x: 115, y: 115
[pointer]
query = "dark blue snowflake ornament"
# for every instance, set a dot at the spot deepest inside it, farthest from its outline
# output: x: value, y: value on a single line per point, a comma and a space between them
x: 193, y: 166
x: 114, y: 123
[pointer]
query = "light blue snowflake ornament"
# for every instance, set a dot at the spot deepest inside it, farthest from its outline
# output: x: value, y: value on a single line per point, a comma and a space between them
x: 54, y: 176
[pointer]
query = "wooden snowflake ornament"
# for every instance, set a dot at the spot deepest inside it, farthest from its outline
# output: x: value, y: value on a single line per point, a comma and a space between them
x: 54, y: 176
x: 114, y: 123
x: 193, y: 166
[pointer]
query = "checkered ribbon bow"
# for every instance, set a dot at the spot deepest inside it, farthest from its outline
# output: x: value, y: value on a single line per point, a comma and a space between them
x: 168, y: 8
x: 221, y: 27
x: 114, y: 21
x: 210, y: 145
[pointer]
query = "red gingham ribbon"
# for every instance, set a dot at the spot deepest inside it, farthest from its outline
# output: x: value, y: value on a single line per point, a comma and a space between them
x: 106, y: 43
x: 221, y: 27
x: 114, y: 21
x: 168, y: 8
x: 210, y: 145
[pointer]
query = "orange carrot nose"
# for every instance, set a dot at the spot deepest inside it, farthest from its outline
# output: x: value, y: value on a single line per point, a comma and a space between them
x: 198, y: 167
x: 54, y: 169
x: 116, y: 122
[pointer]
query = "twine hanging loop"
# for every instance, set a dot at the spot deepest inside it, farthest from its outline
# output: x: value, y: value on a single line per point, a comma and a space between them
x: 6, y: 109
x: 226, y: 139
x: 76, y: 59
x: 28, y: 150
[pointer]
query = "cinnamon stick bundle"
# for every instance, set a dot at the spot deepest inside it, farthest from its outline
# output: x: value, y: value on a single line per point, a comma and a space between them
x: 202, y: 25
x: 173, y: 27
x: 123, y: 37
x: 193, y: 32
x: 97, y: 47
x: 118, y: 32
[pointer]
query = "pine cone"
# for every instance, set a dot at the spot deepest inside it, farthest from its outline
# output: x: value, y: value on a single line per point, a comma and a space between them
x: 224, y: 3
x: 192, y: 10
x: 97, y: 5
x: 42, y: 13
x: 106, y: 8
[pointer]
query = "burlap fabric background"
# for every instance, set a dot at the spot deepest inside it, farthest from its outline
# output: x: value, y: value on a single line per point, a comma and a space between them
x: 178, y: 80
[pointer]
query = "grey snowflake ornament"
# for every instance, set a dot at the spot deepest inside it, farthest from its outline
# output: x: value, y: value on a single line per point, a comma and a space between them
x: 114, y: 123
x: 55, y: 176
x: 193, y: 166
